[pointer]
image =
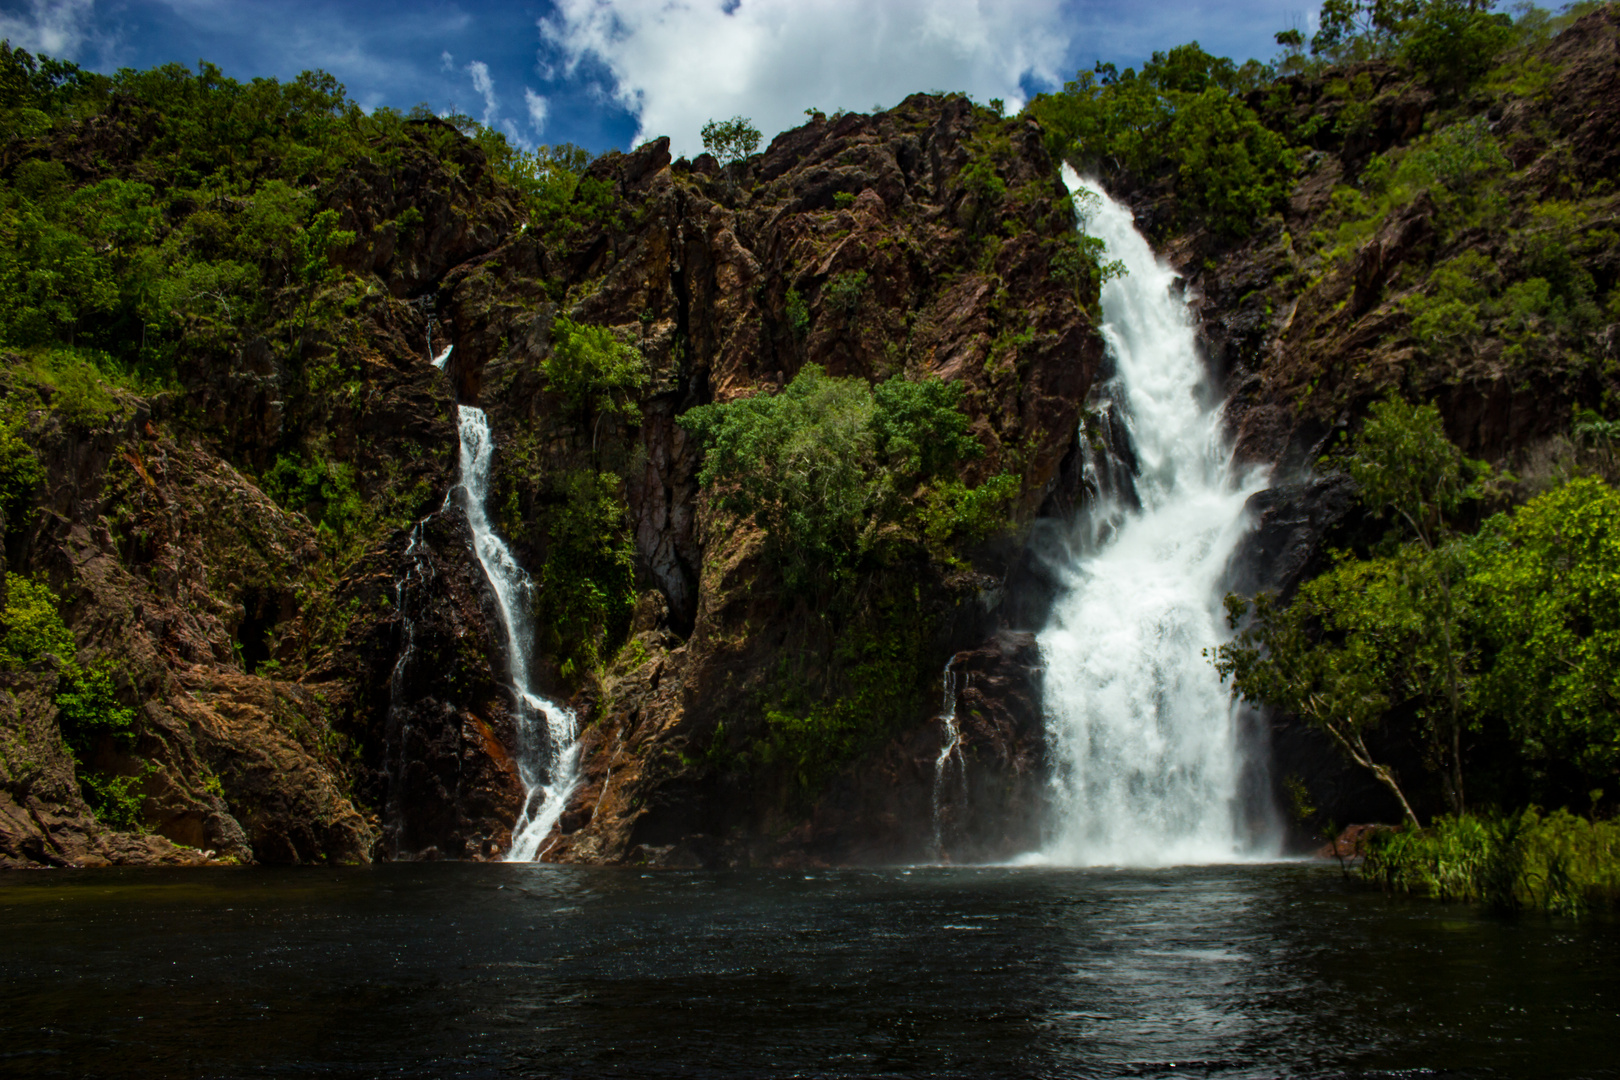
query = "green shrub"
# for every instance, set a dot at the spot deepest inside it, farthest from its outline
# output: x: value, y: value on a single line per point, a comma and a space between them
x: 30, y: 626
x: 844, y: 292
x: 835, y: 471
x: 798, y: 313
x: 587, y: 585
x: 20, y: 471
x: 323, y: 490
x: 114, y: 800
x: 592, y: 369
x: 1560, y: 863
x: 87, y: 705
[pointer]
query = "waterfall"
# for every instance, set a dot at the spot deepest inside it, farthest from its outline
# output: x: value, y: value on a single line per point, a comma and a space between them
x: 950, y: 748
x: 547, y: 757
x: 1142, y: 736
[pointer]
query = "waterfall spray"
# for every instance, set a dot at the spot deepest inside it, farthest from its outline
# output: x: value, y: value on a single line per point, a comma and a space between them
x: 1145, y: 756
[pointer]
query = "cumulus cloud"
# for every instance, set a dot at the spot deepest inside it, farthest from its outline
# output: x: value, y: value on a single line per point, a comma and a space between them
x: 53, y: 27
x: 677, y: 63
x: 539, y: 110
x: 446, y: 61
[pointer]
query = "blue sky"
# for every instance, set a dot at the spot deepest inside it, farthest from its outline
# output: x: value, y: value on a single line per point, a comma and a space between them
x: 605, y: 73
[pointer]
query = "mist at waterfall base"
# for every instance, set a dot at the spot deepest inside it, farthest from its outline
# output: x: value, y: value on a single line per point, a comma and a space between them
x: 1145, y: 758
x: 469, y: 970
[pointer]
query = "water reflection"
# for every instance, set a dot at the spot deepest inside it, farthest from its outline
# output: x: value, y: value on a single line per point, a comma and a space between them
x: 473, y: 971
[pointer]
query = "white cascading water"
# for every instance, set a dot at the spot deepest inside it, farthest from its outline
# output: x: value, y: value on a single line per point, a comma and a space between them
x: 1145, y: 756
x: 547, y: 757
x: 950, y: 748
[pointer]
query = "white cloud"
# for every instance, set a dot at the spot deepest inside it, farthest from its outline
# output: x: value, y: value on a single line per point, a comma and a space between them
x: 486, y: 88
x: 679, y: 63
x: 446, y: 61
x: 539, y: 110
x: 54, y: 27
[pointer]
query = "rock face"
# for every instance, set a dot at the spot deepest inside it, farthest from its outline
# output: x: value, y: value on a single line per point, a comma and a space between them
x: 309, y: 694
x: 705, y: 286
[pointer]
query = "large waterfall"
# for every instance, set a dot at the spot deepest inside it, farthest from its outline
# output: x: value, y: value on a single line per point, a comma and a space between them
x: 1145, y: 756
x: 547, y: 757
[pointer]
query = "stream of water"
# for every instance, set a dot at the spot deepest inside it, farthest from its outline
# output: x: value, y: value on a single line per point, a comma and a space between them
x: 1146, y: 762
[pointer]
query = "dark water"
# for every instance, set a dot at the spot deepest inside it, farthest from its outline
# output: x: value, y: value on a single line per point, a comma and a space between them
x: 475, y: 971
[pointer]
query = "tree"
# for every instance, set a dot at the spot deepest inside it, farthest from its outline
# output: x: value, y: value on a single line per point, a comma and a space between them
x: 1375, y: 634
x: 1452, y: 43
x: 1405, y: 466
x: 312, y: 258
x: 1360, y: 29
x: 731, y: 140
x: 832, y: 468
x: 1544, y: 584
x: 1325, y: 657
x: 594, y: 370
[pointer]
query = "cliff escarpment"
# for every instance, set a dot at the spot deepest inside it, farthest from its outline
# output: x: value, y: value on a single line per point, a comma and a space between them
x: 226, y: 479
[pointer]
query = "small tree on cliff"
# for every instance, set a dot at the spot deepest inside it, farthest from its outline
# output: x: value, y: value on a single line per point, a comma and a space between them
x: 596, y: 372
x: 731, y: 140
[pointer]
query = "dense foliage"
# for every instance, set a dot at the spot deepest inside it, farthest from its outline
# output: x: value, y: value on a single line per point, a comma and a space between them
x: 837, y: 472
x: 592, y: 369
x: 1500, y: 648
x: 1560, y: 863
x: 1185, y: 113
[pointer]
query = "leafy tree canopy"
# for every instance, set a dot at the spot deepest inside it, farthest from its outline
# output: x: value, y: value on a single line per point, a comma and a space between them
x: 832, y: 469
x: 731, y: 140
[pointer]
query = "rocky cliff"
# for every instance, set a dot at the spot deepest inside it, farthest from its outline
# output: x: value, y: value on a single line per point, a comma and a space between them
x: 312, y: 686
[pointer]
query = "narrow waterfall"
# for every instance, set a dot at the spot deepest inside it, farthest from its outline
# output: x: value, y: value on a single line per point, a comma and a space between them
x: 547, y: 756
x: 1145, y: 758
x: 950, y: 748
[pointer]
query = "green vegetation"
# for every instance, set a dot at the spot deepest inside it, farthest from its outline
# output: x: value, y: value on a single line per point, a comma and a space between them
x: 321, y: 489
x: 840, y: 475
x: 1559, y: 863
x: 1499, y: 648
x: 853, y: 486
x: 587, y: 585
x: 1183, y: 113
x: 798, y: 313
x: 844, y: 292
x: 88, y: 709
x: 1451, y: 44
x: 596, y: 372
x: 867, y: 689
x: 20, y: 471
x: 730, y: 140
